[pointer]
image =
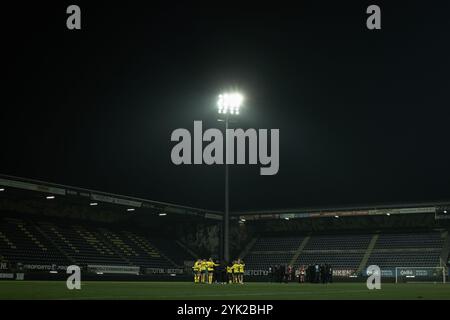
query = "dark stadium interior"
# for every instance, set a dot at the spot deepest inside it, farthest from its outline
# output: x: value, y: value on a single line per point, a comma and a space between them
x: 38, y: 234
x: 88, y: 179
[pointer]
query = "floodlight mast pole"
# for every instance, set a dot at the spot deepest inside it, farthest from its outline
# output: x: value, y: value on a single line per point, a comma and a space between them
x: 226, y: 216
x: 228, y: 103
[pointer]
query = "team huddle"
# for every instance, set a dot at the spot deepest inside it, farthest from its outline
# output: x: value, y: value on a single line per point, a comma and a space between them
x: 210, y: 271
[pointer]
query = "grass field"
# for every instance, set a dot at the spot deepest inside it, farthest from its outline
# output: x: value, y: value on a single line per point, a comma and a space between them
x: 189, y: 291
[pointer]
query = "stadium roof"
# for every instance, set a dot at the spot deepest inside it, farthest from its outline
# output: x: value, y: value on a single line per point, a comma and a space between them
x: 53, y: 189
x: 380, y: 206
x: 435, y: 208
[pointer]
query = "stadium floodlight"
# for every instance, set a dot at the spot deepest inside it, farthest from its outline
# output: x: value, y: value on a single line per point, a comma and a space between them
x: 50, y: 197
x: 93, y: 204
x: 445, y: 211
x: 337, y: 217
x: 388, y: 214
x: 230, y: 103
x: 162, y: 214
x: 131, y: 210
x: 2, y: 189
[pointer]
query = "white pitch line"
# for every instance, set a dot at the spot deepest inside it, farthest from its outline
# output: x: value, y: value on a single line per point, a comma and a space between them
x: 212, y: 295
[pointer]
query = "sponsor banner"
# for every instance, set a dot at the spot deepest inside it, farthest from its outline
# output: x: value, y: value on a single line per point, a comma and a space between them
x: 329, y: 214
x: 417, y: 210
x: 72, y: 193
x: 163, y: 271
x: 344, y: 273
x: 249, y: 217
x: 256, y: 272
x: 113, y: 269
x: 402, y: 211
x: 409, y: 272
x: 6, y: 275
x: 353, y: 213
x: 270, y: 216
x: 314, y: 215
x: 32, y: 187
x: 388, y: 273
x: 113, y: 200
x: 128, y: 202
x: 169, y: 209
x: 340, y: 213
x: 43, y: 267
x: 418, y: 272
x: 302, y: 215
x: 385, y: 273
x: 213, y: 216
x: 155, y: 271
x: 175, y: 271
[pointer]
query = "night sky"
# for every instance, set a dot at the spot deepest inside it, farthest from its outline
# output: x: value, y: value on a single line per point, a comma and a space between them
x: 363, y: 115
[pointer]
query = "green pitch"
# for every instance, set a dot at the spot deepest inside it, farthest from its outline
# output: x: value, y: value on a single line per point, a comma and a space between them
x: 185, y: 291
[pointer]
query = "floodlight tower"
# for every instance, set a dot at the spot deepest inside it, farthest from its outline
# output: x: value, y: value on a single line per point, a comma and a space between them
x: 228, y: 105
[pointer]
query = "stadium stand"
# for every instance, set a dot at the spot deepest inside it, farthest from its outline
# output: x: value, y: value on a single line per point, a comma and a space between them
x: 82, y: 246
x: 34, y: 242
x: 277, y: 244
x: 271, y: 251
x: 262, y: 261
x: 341, y: 251
x: 144, y: 253
x: 47, y: 243
x: 22, y: 242
x: 172, y: 250
x: 345, y: 251
x: 407, y: 250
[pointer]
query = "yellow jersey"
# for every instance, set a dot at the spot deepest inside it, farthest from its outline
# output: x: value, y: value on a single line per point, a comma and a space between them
x: 229, y: 269
x: 196, y: 266
x: 241, y: 268
x: 203, y: 266
x: 210, y: 265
